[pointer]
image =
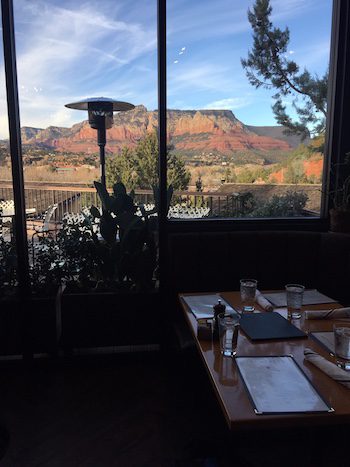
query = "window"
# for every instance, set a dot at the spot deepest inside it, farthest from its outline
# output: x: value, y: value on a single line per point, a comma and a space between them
x: 70, y: 50
x: 8, y: 269
x: 225, y: 118
x: 67, y: 52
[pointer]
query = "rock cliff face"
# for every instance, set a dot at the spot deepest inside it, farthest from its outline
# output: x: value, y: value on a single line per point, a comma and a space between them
x: 197, y: 132
x: 312, y: 168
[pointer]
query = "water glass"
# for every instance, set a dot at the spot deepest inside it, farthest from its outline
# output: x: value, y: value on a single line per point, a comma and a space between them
x: 248, y: 291
x: 228, y: 333
x: 295, y: 294
x: 342, y: 342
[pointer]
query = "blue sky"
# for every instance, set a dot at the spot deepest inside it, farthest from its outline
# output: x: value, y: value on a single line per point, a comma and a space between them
x: 69, y: 50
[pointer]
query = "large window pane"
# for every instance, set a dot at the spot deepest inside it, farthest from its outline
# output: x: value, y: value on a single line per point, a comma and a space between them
x: 8, y: 272
x: 66, y: 52
x: 226, y: 123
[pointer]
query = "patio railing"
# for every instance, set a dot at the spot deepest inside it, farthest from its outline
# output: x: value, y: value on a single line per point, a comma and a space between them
x: 72, y: 198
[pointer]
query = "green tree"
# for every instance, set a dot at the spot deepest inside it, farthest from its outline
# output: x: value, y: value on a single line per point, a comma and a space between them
x: 245, y: 176
x: 123, y: 168
x: 138, y: 167
x: 295, y: 172
x: 289, y: 205
x: 230, y: 175
x: 199, y: 184
x: 267, y: 66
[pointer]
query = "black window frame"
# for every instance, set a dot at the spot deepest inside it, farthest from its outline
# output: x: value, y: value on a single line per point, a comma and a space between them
x: 337, y: 138
x: 336, y: 146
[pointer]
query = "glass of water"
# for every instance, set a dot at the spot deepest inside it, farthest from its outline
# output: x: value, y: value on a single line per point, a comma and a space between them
x: 342, y: 345
x: 228, y: 333
x: 295, y: 293
x: 248, y: 291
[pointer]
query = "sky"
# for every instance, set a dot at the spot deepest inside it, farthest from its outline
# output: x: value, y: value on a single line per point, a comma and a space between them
x: 70, y: 50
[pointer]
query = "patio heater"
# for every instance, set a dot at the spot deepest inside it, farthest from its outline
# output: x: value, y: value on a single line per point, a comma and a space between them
x: 100, y: 111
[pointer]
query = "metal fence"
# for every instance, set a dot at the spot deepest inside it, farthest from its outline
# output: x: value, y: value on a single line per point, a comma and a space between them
x: 73, y: 198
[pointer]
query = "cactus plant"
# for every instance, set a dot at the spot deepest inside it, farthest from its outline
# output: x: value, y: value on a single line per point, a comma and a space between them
x: 128, y: 250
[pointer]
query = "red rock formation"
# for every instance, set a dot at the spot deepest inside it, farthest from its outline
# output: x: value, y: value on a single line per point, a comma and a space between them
x: 277, y: 177
x: 314, y: 167
x: 203, y: 131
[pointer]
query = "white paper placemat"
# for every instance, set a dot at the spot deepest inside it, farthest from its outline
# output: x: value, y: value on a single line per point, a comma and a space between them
x: 276, y: 384
x: 202, y: 305
x: 311, y: 297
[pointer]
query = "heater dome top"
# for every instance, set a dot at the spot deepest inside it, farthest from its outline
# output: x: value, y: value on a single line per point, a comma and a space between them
x: 101, y: 103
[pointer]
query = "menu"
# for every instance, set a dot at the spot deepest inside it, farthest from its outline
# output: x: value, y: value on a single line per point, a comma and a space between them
x: 310, y: 297
x: 276, y: 385
x: 202, y: 305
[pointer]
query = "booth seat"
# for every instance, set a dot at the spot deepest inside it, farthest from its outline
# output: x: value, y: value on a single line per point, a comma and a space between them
x: 212, y: 262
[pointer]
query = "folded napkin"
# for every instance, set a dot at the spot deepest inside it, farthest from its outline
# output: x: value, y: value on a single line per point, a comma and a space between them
x: 337, y: 313
x: 261, y: 300
x: 332, y: 370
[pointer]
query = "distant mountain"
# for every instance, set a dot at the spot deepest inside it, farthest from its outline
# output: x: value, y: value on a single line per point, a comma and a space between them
x: 43, y: 137
x: 277, y: 132
x: 191, y: 132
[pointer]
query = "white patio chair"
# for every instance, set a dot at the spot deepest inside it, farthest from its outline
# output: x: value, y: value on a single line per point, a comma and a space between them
x: 47, y: 220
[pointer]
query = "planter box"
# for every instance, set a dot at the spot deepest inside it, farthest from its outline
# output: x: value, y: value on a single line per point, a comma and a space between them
x: 11, y: 325
x: 339, y: 221
x: 44, y: 323
x: 104, y: 319
x: 29, y: 327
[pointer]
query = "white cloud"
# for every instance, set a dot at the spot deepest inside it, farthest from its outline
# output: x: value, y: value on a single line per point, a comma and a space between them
x: 315, y: 54
x: 199, y: 76
x: 229, y: 103
x: 282, y: 9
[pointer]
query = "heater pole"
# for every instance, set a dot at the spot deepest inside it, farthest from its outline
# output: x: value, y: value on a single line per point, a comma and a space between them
x: 101, y: 141
x: 100, y: 110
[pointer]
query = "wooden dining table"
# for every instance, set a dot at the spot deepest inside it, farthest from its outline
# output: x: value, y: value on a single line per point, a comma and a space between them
x: 231, y: 392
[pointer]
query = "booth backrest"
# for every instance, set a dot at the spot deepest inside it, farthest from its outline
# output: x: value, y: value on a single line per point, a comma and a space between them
x: 200, y: 262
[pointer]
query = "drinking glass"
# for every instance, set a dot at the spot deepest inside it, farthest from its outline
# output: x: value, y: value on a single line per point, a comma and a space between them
x: 342, y: 345
x: 228, y: 333
x: 295, y: 294
x: 248, y: 291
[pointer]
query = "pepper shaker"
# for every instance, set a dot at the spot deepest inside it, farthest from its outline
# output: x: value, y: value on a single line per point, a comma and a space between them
x: 218, y: 308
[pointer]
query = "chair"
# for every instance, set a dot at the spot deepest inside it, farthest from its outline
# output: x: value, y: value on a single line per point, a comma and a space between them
x: 73, y: 219
x: 7, y: 207
x: 5, y: 225
x: 44, y: 228
x: 47, y: 219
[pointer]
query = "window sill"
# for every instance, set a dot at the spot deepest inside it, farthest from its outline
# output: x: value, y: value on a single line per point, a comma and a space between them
x: 316, y: 224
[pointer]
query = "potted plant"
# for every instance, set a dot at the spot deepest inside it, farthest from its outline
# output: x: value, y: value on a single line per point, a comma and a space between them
x: 10, y: 316
x: 30, y: 324
x: 340, y: 211
x: 48, y: 273
x: 112, y: 298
